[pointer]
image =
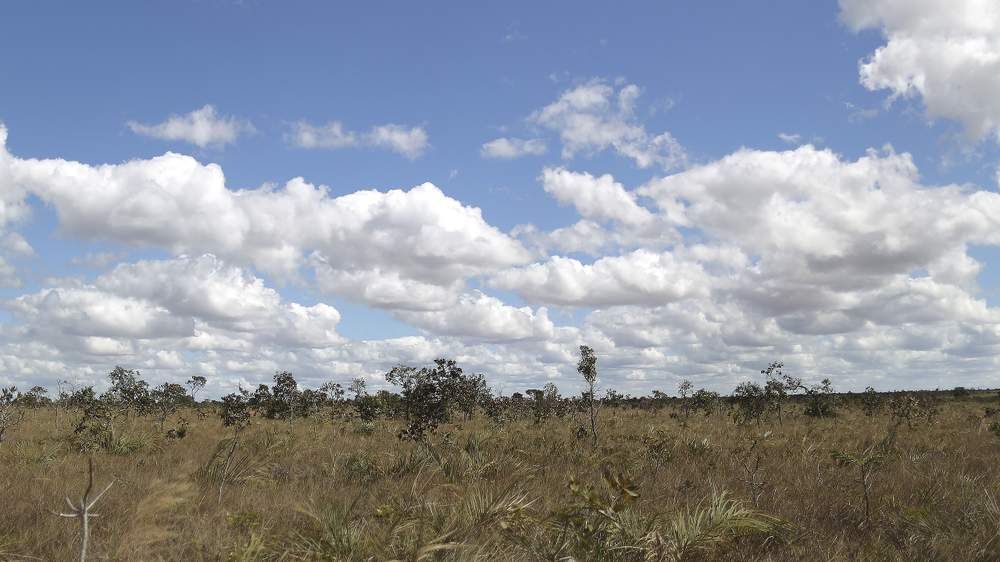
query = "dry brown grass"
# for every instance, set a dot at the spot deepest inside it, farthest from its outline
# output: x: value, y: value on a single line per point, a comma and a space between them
x: 324, y: 490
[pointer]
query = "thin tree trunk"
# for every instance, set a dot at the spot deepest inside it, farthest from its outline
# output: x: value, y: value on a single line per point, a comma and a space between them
x: 86, y: 535
x: 593, y: 416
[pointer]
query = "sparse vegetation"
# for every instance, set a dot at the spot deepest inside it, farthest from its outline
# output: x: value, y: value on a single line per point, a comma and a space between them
x: 11, y: 415
x: 587, y: 367
x: 300, y: 474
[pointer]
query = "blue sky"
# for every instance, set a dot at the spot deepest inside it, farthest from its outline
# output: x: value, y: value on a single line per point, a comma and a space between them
x: 736, y: 86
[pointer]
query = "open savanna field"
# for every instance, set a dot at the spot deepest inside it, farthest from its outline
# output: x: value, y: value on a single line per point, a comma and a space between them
x: 666, y: 481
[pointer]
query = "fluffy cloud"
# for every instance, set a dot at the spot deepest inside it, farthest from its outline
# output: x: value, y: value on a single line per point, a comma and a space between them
x: 332, y: 135
x: 88, y: 314
x: 811, y: 217
x: 640, y: 277
x: 613, y: 220
x: 596, y: 116
x: 419, y: 236
x: 14, y: 208
x: 386, y: 289
x: 508, y: 148
x: 173, y: 318
x: 597, y: 198
x: 847, y: 268
x: 410, y: 142
x: 197, y: 298
x: 837, y: 246
x: 202, y: 127
x: 947, y: 53
x: 13, y: 204
x: 202, y: 287
x: 480, y: 316
x: 170, y: 318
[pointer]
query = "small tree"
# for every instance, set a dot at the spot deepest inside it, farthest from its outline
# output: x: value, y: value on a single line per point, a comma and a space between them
x: 35, y: 398
x: 235, y: 412
x: 261, y: 401
x: 10, y: 413
x: 912, y: 408
x: 427, y: 395
x: 235, y: 415
x: 820, y: 400
x: 497, y: 409
x: 587, y: 367
x: 775, y: 391
x: 285, y: 396
x: 309, y: 402
x: 544, y: 401
x: 358, y: 387
x: 128, y: 391
x: 333, y: 390
x: 196, y: 383
x: 705, y: 400
x: 128, y: 396
x: 684, y: 390
x: 819, y: 397
x: 871, y: 402
x: 752, y: 404
x: 64, y: 389
x: 165, y: 399
x: 867, y: 463
x: 83, y: 400
x: 749, y: 455
x: 99, y: 417
x: 334, y: 396
x: 368, y: 408
x: 468, y: 393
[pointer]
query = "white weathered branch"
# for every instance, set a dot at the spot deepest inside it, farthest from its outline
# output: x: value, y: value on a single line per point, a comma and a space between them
x: 82, y: 511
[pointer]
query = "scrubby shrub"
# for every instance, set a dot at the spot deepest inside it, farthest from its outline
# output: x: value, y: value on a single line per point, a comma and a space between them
x: 871, y: 402
x: 10, y: 413
x: 913, y: 409
x: 166, y: 399
x: 428, y: 395
x: 820, y: 400
x: 750, y: 401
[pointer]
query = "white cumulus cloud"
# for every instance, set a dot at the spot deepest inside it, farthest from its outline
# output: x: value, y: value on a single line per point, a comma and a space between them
x: 596, y: 115
x: 410, y: 142
x: 202, y: 127
x: 418, y: 236
x: 945, y: 53
x: 508, y: 148
x: 477, y: 315
x: 598, y: 198
x: 640, y: 277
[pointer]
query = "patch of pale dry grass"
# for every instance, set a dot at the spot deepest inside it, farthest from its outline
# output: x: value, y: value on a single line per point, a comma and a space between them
x: 325, y: 490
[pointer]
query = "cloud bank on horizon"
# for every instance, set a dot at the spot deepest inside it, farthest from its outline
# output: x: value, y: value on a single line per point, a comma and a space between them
x: 671, y: 263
